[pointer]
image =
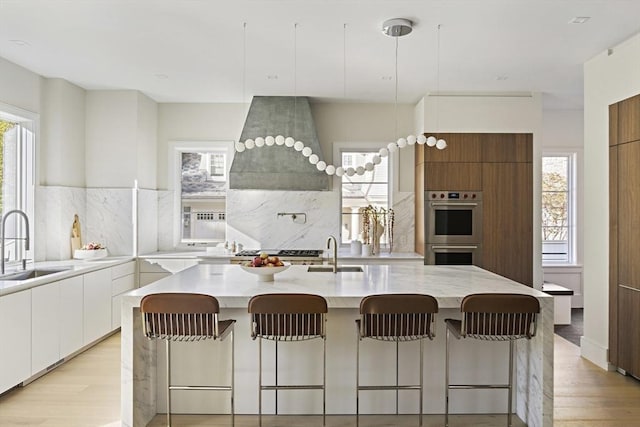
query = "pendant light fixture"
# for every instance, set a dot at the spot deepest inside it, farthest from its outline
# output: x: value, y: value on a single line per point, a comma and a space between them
x: 396, y: 27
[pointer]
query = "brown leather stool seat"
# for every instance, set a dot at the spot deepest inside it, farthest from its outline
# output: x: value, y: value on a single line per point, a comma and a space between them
x: 186, y: 317
x: 492, y: 317
x: 288, y: 317
x: 396, y: 318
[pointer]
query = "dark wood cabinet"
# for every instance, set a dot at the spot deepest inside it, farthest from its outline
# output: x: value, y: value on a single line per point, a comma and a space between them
x: 499, y: 165
x: 507, y: 245
x: 629, y: 120
x: 628, y: 330
x: 453, y: 176
x: 624, y: 235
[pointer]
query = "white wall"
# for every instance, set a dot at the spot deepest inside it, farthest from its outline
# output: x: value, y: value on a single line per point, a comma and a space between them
x: 607, y: 80
x: 19, y: 87
x: 62, y: 134
x: 494, y: 113
x: 146, y: 142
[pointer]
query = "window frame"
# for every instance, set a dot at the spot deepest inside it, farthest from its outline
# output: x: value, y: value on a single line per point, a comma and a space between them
x: 176, y: 148
x: 573, y: 157
x: 392, y: 183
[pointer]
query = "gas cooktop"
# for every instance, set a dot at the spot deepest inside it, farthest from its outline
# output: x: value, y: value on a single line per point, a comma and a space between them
x: 298, y: 253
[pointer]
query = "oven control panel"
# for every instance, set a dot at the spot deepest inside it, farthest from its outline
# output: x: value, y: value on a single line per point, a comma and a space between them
x: 453, y: 196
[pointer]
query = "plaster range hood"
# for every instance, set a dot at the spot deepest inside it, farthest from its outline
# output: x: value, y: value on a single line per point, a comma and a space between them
x: 278, y: 167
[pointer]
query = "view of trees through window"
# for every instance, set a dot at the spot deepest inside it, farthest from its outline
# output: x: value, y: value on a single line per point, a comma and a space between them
x: 360, y: 191
x: 556, y: 207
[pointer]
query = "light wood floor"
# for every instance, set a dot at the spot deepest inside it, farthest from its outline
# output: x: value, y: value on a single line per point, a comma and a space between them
x: 86, y: 392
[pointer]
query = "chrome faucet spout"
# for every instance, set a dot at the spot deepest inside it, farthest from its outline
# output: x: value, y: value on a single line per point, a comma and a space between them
x: 335, y: 252
x: 3, y: 231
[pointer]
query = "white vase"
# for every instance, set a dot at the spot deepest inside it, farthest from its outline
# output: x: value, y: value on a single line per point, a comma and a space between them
x: 356, y: 247
x: 366, y: 249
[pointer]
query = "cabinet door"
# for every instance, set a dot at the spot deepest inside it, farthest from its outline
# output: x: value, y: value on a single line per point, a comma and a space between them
x: 629, y: 120
x: 628, y: 218
x: 461, y: 147
x: 453, y: 176
x: 71, y: 315
x: 629, y: 333
x: 508, y: 220
x: 507, y: 147
x: 15, y: 336
x: 97, y: 304
x: 45, y: 326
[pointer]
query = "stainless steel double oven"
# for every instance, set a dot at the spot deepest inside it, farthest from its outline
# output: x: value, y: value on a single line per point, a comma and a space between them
x: 453, y: 227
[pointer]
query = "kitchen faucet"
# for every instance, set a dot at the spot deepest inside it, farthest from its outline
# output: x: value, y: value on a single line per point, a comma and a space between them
x: 335, y: 252
x: 3, y: 237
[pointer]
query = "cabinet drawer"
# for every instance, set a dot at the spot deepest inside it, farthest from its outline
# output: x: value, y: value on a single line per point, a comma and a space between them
x: 123, y: 284
x: 123, y: 269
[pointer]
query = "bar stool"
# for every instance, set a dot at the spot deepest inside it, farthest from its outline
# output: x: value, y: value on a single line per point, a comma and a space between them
x: 185, y: 317
x: 288, y: 317
x: 396, y: 318
x: 492, y: 317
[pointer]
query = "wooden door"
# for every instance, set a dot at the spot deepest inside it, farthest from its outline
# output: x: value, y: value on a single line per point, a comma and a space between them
x: 453, y: 176
x: 629, y: 120
x: 628, y: 217
x: 628, y: 330
x: 613, y: 255
x: 508, y: 220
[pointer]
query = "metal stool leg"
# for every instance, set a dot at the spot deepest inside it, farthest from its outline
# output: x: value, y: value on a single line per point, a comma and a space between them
x: 421, y: 376
x: 168, y: 383
x: 446, y: 382
x: 233, y: 412
x: 511, y: 342
x: 260, y: 383
x: 397, y: 373
x: 358, y: 382
x: 324, y: 381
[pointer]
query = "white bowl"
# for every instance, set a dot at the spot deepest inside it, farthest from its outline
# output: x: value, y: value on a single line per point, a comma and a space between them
x: 89, y: 254
x: 265, y: 274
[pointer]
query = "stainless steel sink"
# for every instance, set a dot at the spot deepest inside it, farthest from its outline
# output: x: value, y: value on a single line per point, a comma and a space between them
x: 329, y: 269
x: 31, y: 274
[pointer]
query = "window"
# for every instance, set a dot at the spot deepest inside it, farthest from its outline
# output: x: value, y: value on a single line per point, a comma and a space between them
x: 558, y: 208
x: 16, y: 180
x: 200, y: 178
x: 360, y: 191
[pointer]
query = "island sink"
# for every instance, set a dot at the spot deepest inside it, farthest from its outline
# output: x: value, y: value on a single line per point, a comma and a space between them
x: 329, y: 269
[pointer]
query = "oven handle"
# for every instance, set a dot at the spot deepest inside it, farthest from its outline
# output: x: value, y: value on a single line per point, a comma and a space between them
x: 453, y: 204
x: 454, y: 247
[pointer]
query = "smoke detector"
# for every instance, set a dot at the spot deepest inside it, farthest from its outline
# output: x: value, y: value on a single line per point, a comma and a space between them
x: 397, y: 27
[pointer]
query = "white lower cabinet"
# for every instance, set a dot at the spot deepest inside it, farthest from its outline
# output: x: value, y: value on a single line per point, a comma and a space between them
x: 71, y: 315
x: 15, y: 339
x: 96, y: 305
x: 45, y: 326
x: 123, y: 279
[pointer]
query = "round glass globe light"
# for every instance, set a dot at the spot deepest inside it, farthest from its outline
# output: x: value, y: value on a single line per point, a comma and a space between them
x: 321, y: 165
x: 350, y: 171
x: 240, y: 147
x: 289, y: 142
x: 376, y: 159
x: 383, y: 152
x: 392, y: 147
x: 402, y: 142
x: 269, y: 141
x: 259, y: 142
x: 360, y: 170
x: 330, y: 170
x: 279, y: 140
x: 249, y: 143
x: 421, y: 139
x: 306, y: 151
x: 298, y: 146
x: 431, y: 141
x: 441, y: 144
x: 411, y: 139
x: 313, y: 159
x: 339, y: 171
x: 369, y: 166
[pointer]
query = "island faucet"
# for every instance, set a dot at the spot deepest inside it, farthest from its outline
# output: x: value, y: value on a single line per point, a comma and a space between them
x: 335, y: 252
x: 3, y: 237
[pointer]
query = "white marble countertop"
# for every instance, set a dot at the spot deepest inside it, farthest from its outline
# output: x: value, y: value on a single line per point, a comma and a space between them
x: 69, y: 268
x: 233, y: 286
x: 344, y: 254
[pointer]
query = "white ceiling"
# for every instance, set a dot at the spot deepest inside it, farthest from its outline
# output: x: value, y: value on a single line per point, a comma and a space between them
x: 192, y: 50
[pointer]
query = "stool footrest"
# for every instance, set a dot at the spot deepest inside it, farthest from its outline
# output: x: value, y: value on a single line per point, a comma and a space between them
x: 200, y: 387
x: 291, y: 387
x: 474, y: 386
x: 389, y: 387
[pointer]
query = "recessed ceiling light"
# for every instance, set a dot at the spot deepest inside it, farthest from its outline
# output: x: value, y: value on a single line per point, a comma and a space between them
x: 161, y: 76
x: 579, y: 19
x: 272, y: 76
x: 502, y: 77
x: 19, y: 42
x: 387, y: 78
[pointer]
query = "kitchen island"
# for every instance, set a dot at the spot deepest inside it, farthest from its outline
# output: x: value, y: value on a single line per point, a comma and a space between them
x: 143, y: 366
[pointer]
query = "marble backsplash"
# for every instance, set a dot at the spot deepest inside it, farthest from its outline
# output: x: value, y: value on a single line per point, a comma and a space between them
x: 252, y: 219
